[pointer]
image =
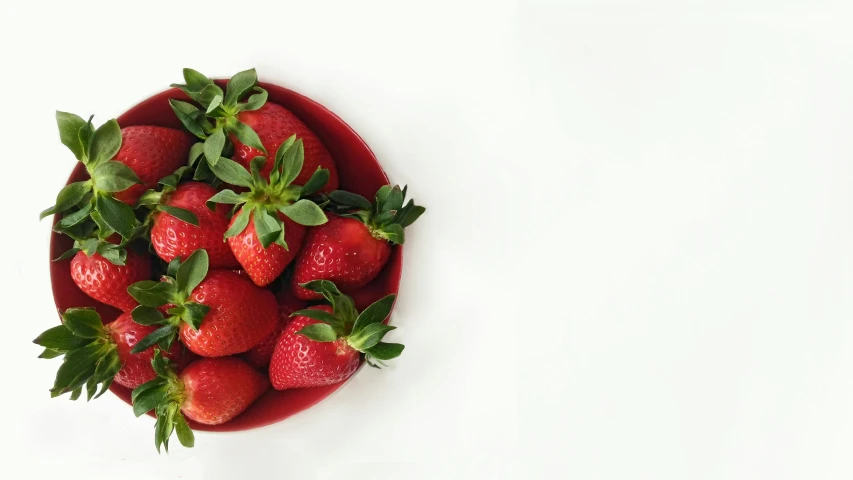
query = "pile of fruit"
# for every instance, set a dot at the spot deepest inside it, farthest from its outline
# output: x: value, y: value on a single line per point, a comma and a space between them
x: 231, y: 252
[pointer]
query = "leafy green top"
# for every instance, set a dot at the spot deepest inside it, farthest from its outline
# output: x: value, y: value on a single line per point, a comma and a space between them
x: 362, y: 331
x: 164, y: 395
x: 154, y: 200
x: 81, y: 200
x: 385, y: 218
x: 90, y: 354
x: 265, y: 199
x: 215, y: 115
x: 173, y: 291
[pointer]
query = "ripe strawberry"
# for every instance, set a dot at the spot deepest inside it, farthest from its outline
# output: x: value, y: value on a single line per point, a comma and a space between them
x: 266, y: 233
x: 106, y: 278
x: 351, y: 249
x: 259, y: 356
x: 218, y: 313
x: 254, y: 128
x: 152, y: 153
x: 95, y: 353
x: 322, y: 344
x: 172, y: 236
x: 274, y: 124
x: 121, y: 164
x: 210, y: 391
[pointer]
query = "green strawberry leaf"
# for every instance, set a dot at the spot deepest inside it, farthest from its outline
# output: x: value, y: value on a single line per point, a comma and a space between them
x: 225, y: 196
x: 239, y: 85
x: 151, y: 293
x: 216, y: 102
x: 409, y: 214
x: 305, y: 212
x: 393, y: 233
x: 382, y: 197
x: 194, y: 314
x: 349, y: 199
x: 149, y: 399
x: 323, y: 316
x: 48, y: 353
x: 150, y: 197
x: 112, y: 176
x: 246, y: 135
x: 147, y: 315
x: 117, y: 215
x: 83, y: 322
x: 192, y: 271
x: 319, y: 332
x: 196, y: 151
x: 69, y: 133
x: 75, y: 218
x: 68, y: 254
x: 267, y: 228
x: 385, y: 351
x: 185, y: 433
x: 241, y: 221
x: 213, y: 146
x: 154, y: 338
x: 196, y: 81
x: 61, y: 339
x: 185, y: 113
x: 292, y: 159
x: 105, y: 143
x: 368, y: 336
x: 69, y: 196
x: 181, y: 214
x: 232, y: 172
x: 376, y: 312
x: 317, y: 181
x: 255, y: 101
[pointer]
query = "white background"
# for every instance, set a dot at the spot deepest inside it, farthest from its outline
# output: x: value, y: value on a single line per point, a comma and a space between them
x: 635, y: 262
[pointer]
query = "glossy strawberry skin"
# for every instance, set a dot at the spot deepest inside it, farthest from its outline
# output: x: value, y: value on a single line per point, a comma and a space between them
x: 259, y: 356
x: 274, y: 124
x: 241, y: 315
x: 106, y: 282
x: 136, y: 367
x: 218, y: 389
x: 172, y: 237
x: 152, y: 153
x: 266, y: 264
x: 300, y: 362
x: 341, y: 250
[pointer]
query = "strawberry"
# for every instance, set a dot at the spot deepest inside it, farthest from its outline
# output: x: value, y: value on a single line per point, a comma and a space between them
x: 253, y: 128
x: 95, y: 353
x: 177, y: 235
x: 121, y: 164
x: 217, y: 313
x: 267, y: 231
x: 105, y: 274
x: 152, y: 153
x: 209, y: 391
x: 352, y: 248
x: 322, y: 344
x: 274, y: 124
x: 259, y: 356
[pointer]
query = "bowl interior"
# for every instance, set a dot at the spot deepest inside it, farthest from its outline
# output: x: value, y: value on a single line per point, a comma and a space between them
x: 359, y: 172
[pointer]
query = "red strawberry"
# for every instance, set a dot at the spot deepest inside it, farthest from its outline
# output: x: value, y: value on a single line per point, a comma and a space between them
x: 263, y: 265
x: 152, y: 153
x: 218, y: 313
x: 259, y: 356
x: 136, y: 367
x: 241, y: 315
x: 210, y: 391
x: 274, y: 124
x: 172, y: 237
x: 106, y: 282
x: 95, y: 353
x: 322, y: 344
x: 252, y: 127
x: 351, y: 250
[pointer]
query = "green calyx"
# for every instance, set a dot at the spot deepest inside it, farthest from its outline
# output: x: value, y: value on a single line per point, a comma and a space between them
x: 175, y: 289
x: 265, y: 199
x: 154, y: 200
x: 95, y: 148
x: 214, y: 116
x: 385, y: 218
x: 90, y: 357
x: 362, y: 331
x: 91, y: 237
x: 164, y: 395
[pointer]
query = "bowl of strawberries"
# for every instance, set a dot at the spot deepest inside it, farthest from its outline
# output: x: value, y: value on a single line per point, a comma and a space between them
x: 225, y: 254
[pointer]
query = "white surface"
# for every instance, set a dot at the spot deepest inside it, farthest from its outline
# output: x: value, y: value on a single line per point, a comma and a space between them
x: 635, y: 263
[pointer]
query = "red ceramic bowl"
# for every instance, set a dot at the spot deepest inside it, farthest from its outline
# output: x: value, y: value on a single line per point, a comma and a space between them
x: 359, y: 172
